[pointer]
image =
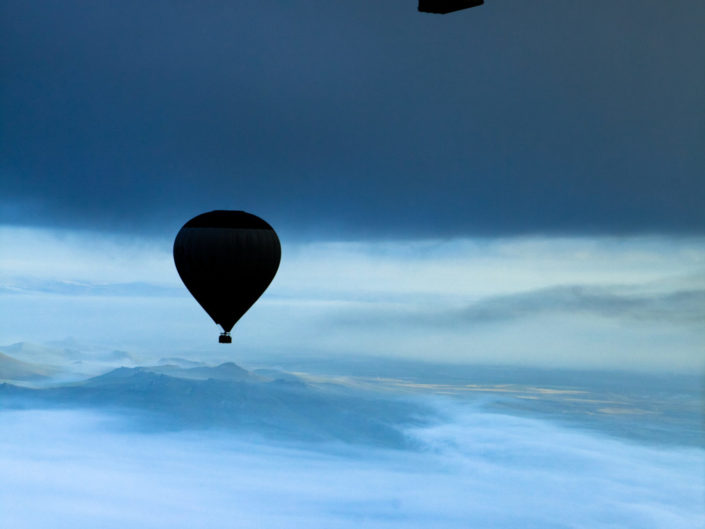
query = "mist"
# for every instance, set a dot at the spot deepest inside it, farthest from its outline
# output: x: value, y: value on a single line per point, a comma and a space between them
x: 73, y: 468
x: 617, y: 303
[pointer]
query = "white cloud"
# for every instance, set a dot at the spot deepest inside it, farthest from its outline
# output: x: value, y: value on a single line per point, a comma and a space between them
x: 82, y: 257
x: 372, y: 298
x: 474, y: 469
x: 467, y: 268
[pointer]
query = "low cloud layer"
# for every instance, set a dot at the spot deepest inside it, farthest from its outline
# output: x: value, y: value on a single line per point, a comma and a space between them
x: 686, y: 307
x: 681, y: 306
x: 82, y: 469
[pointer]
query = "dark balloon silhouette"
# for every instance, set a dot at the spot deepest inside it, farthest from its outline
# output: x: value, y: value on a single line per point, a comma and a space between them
x: 226, y: 259
x: 446, y: 6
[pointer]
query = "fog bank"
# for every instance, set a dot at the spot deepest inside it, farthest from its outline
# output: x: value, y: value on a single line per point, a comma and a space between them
x: 473, y: 469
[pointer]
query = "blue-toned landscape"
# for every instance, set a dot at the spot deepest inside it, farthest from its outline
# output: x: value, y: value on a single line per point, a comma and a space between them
x: 336, y: 444
x: 352, y: 265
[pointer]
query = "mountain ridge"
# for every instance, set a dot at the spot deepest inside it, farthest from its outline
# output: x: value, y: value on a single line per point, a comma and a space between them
x: 250, y: 404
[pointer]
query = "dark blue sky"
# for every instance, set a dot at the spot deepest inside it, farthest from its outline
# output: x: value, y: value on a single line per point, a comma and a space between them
x: 355, y: 119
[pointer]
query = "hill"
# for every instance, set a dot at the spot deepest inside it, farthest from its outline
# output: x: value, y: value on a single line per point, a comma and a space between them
x: 13, y: 369
x: 233, y: 399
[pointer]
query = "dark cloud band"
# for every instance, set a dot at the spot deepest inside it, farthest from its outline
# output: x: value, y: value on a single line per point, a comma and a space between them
x: 355, y: 120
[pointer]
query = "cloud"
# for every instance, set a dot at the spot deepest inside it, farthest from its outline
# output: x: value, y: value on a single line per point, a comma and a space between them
x: 391, y: 270
x: 31, y: 256
x: 357, y: 119
x: 583, y: 302
x: 682, y: 306
x: 83, y: 469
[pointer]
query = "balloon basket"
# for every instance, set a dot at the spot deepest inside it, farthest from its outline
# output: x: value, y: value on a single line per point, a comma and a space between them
x: 225, y: 338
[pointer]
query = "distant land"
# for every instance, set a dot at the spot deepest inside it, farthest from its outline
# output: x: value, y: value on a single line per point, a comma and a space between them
x: 229, y: 397
x: 352, y: 400
x: 13, y: 369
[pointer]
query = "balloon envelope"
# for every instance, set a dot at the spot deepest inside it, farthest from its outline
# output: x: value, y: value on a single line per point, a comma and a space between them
x: 447, y: 6
x: 226, y: 259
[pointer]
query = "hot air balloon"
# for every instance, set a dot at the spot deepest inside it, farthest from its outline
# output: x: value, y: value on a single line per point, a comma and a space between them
x: 447, y: 6
x: 226, y: 259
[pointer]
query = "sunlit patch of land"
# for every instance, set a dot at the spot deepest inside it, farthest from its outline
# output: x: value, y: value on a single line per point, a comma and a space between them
x: 649, y: 414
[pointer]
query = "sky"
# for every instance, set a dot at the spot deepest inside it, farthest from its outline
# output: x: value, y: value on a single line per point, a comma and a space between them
x: 354, y: 119
x: 515, y: 183
x: 598, y: 303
